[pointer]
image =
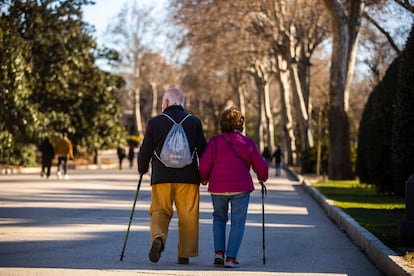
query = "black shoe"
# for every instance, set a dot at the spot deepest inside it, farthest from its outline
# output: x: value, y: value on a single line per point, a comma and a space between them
x: 156, y: 249
x: 183, y: 260
x: 219, y: 259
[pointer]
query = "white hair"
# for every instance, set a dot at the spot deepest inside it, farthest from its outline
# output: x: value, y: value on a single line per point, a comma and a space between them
x: 174, y: 96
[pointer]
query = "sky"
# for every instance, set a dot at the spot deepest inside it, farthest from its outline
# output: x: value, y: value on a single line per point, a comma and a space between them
x: 103, y: 11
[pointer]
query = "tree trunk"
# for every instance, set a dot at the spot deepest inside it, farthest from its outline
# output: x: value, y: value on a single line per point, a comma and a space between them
x: 301, y: 109
x: 137, y: 105
x: 288, y: 137
x: 262, y: 77
x: 354, y: 24
x: 137, y: 111
x: 259, y: 122
x: 265, y: 126
x: 154, y: 109
x: 235, y: 81
x: 343, y: 55
x: 270, y: 139
x: 242, y: 102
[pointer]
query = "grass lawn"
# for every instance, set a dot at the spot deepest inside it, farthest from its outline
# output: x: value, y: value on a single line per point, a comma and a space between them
x: 379, y: 214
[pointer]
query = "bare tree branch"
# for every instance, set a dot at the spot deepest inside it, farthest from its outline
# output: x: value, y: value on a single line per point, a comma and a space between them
x: 405, y: 4
x: 384, y: 32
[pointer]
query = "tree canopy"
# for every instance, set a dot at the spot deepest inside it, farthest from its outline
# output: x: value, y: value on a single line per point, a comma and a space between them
x: 49, y: 81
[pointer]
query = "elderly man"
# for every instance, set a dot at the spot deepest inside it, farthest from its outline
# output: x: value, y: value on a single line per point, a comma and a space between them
x: 173, y: 185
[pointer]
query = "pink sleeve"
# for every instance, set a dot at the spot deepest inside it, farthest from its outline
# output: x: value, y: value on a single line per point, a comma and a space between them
x: 207, y: 161
x: 259, y: 165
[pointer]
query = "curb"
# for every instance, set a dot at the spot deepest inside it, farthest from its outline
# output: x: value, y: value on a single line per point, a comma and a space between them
x: 30, y: 170
x: 6, y: 169
x: 382, y: 256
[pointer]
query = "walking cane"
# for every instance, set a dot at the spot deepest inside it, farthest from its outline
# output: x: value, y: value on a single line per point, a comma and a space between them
x: 131, y: 216
x: 264, y: 192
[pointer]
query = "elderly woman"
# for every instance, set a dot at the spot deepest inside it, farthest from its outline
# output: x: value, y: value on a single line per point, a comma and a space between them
x: 225, y: 166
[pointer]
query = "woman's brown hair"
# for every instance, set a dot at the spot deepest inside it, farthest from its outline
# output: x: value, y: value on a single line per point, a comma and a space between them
x: 231, y: 120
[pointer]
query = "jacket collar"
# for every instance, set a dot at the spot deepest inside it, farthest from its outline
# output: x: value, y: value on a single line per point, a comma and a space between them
x: 174, y: 107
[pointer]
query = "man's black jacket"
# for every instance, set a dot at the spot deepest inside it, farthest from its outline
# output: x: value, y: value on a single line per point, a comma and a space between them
x: 156, y: 132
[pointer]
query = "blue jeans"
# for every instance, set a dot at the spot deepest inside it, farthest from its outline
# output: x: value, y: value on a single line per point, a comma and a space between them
x: 239, y: 204
x: 278, y: 168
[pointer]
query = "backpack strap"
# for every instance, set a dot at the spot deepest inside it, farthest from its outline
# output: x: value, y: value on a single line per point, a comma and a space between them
x: 169, y: 117
x: 236, y: 152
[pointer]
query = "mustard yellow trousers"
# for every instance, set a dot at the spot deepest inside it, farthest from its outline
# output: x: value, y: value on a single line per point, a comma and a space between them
x: 186, y: 198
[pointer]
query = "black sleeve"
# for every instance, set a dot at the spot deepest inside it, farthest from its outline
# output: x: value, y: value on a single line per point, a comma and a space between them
x: 146, y: 151
x: 201, y: 140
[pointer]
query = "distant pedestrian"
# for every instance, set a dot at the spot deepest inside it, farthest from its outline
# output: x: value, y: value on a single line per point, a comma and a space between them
x: 131, y: 155
x: 225, y: 166
x: 48, y: 153
x: 277, y: 155
x: 267, y: 155
x: 96, y: 156
x: 64, y: 151
x: 121, y: 155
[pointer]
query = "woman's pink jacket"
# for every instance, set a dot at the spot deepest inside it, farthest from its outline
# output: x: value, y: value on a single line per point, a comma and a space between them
x: 224, y: 169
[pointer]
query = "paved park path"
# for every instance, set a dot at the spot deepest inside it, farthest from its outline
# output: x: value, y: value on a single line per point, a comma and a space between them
x: 77, y: 227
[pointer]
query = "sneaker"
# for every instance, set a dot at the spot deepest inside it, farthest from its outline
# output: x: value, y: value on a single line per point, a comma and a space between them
x: 156, y: 249
x: 59, y: 175
x: 66, y: 176
x: 231, y: 262
x: 183, y: 260
x: 219, y: 259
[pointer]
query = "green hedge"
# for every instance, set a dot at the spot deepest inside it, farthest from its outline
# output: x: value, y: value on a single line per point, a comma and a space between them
x: 373, y: 164
x: 385, y: 154
x: 403, y: 125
